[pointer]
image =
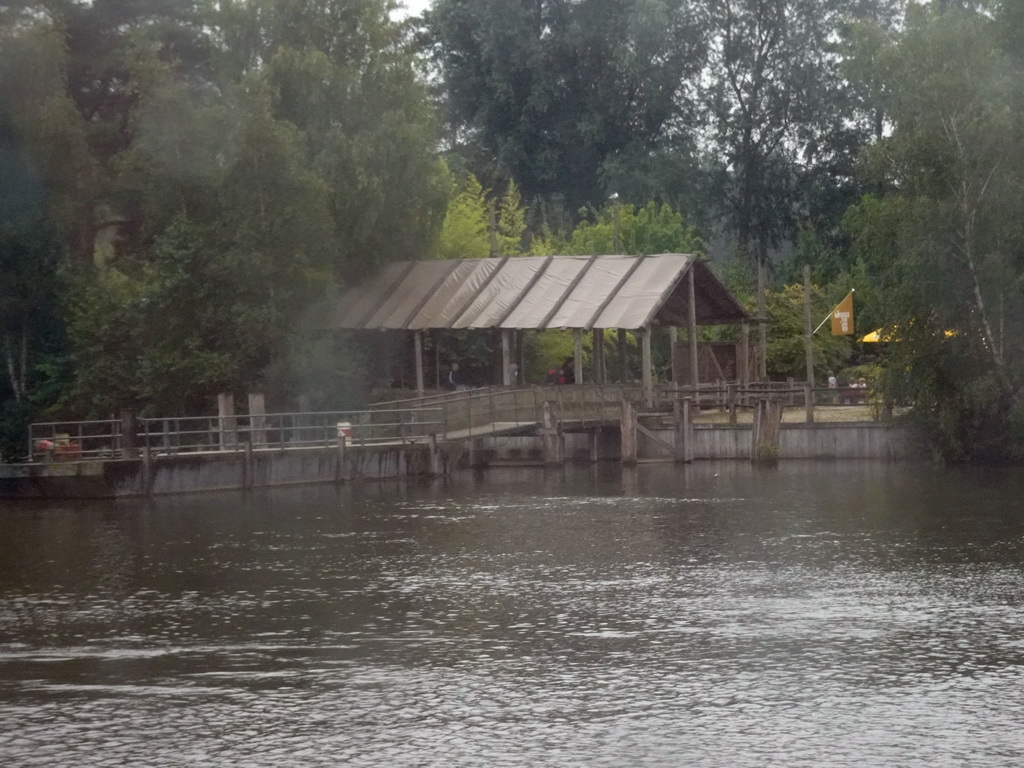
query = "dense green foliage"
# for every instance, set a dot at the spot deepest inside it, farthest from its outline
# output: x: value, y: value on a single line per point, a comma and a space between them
x: 196, y: 175
x: 560, y: 94
x: 942, y: 236
x: 735, y: 111
x: 185, y: 181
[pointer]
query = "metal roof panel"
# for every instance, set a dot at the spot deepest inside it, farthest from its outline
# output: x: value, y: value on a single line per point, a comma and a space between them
x: 448, y: 301
x: 642, y: 294
x: 501, y: 293
x: 534, y: 292
x: 589, y: 294
x: 401, y: 300
x: 546, y: 293
x: 362, y: 300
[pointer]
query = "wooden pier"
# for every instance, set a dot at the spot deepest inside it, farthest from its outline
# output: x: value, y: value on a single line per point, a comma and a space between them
x: 431, y: 436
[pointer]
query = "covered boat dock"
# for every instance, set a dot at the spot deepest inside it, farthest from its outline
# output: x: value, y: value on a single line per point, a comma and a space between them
x: 584, y: 294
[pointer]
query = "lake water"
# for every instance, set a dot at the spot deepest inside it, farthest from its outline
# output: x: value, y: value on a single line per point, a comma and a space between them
x: 816, y: 614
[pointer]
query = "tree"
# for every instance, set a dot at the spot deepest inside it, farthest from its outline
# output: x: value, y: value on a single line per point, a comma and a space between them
x: 945, y: 233
x: 781, y: 121
x: 248, y: 155
x: 28, y: 272
x: 345, y: 75
x: 511, y: 222
x: 555, y: 93
x: 786, y: 350
x: 651, y: 229
x: 464, y: 234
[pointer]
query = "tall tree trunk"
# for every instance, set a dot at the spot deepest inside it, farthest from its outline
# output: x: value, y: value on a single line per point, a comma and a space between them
x: 17, y: 364
x: 969, y: 198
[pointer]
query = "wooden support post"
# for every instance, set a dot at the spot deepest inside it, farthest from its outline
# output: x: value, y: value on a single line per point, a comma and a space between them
x: 341, y: 471
x: 147, y: 471
x: 551, y: 435
x: 577, y: 360
x: 755, y: 428
x: 743, y: 364
x: 520, y: 358
x: 808, y: 347
x: 418, y: 345
x: 630, y: 480
x: 628, y: 431
x: 257, y: 420
x: 506, y: 357
x: 226, y: 422
x: 437, y: 361
x: 682, y: 415
x: 247, y: 480
x: 762, y: 317
x: 766, y: 430
x: 692, y: 322
x: 597, y: 346
x: 128, y: 430
x: 623, y: 356
x: 648, y: 372
x: 435, y: 456
x: 673, y: 337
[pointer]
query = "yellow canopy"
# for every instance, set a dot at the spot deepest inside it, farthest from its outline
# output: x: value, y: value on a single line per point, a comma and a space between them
x: 880, y: 335
x: 876, y: 336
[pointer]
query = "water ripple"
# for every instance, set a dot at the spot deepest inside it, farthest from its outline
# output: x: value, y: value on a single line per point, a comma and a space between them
x: 792, y: 618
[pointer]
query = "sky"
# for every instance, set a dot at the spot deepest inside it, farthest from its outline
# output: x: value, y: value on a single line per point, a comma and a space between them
x: 413, y: 7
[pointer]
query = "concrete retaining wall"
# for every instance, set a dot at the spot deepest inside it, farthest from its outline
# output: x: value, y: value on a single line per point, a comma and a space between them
x: 862, y: 440
x: 868, y: 440
x: 209, y: 472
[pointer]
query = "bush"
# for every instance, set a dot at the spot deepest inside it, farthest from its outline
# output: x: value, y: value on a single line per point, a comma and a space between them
x: 15, y: 418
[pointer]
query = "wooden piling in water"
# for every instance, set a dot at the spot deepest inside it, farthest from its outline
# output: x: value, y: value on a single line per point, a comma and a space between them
x: 766, y: 430
x: 147, y: 471
x: 435, y: 456
x: 682, y: 418
x: 341, y: 472
x: 247, y: 479
x: 551, y: 434
x: 628, y: 431
x: 128, y: 434
x: 226, y: 423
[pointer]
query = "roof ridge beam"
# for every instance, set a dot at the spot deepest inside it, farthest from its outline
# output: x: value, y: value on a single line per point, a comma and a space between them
x: 543, y: 324
x: 663, y: 297
x: 410, y: 266
x: 613, y: 293
x: 487, y: 281
x: 429, y: 294
x: 526, y: 289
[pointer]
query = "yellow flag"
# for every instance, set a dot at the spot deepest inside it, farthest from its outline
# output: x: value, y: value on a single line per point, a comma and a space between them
x: 842, y: 317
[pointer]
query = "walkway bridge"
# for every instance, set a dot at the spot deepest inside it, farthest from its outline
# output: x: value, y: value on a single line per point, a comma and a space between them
x: 508, y: 410
x: 449, y: 417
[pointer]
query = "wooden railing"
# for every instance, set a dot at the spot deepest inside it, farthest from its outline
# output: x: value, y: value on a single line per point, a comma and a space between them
x: 450, y: 415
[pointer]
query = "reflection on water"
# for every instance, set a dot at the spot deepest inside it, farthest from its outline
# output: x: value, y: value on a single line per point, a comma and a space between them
x: 719, y: 614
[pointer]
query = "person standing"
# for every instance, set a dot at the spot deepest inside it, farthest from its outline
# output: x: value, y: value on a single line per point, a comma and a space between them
x: 455, y: 380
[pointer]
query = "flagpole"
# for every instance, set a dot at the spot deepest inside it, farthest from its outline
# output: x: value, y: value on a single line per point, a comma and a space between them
x: 829, y: 315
